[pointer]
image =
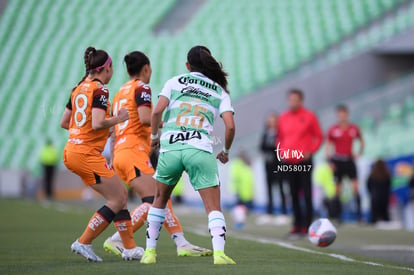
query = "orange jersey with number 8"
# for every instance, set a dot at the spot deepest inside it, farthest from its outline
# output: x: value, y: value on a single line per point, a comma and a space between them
x: 82, y: 137
x: 132, y: 133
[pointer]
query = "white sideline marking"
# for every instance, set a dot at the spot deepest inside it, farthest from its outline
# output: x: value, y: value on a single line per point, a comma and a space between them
x: 408, y: 248
x: 302, y: 249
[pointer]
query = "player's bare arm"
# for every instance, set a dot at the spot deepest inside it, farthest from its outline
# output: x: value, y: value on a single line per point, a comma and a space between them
x: 144, y: 113
x: 230, y: 131
x: 99, y: 121
x: 156, y: 120
x: 65, y: 121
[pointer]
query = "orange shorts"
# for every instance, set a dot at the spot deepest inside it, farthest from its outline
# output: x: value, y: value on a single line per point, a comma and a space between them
x: 130, y: 163
x: 89, y: 167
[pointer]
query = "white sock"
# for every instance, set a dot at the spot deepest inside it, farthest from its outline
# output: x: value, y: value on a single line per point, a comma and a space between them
x: 116, y: 237
x: 179, y: 239
x: 217, y: 228
x: 156, y: 218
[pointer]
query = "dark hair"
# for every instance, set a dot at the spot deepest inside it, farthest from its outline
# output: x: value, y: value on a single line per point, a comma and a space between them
x: 201, y: 60
x: 380, y: 171
x: 135, y: 61
x: 342, y: 108
x: 93, y: 59
x: 297, y: 92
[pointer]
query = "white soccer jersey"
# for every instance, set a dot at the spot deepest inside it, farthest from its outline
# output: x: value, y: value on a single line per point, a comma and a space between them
x: 195, y: 102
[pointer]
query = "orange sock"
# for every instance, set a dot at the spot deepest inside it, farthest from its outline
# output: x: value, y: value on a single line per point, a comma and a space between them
x: 123, y: 225
x: 139, y: 215
x: 171, y: 224
x: 99, y: 221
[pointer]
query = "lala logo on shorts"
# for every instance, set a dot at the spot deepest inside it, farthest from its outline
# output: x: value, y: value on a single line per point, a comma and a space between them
x: 184, y: 136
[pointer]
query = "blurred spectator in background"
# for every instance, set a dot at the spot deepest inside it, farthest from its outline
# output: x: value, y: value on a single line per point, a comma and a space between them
x: 325, y: 179
x: 341, y: 137
x: 299, y: 136
x: 412, y: 188
x: 49, y: 158
x: 379, y: 187
x: 268, y: 149
x: 242, y: 180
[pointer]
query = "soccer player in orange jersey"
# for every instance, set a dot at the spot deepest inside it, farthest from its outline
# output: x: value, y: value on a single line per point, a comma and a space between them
x: 131, y: 151
x: 87, y: 117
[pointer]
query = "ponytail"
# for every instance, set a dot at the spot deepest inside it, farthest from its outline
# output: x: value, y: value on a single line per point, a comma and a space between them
x: 201, y: 60
x: 92, y: 59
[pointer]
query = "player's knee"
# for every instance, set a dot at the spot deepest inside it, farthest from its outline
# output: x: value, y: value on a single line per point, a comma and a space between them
x: 119, y: 199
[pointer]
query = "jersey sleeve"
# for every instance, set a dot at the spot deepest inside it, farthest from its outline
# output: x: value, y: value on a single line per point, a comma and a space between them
x: 100, y: 98
x: 225, y: 105
x: 69, y: 104
x: 143, y: 96
x: 166, y: 90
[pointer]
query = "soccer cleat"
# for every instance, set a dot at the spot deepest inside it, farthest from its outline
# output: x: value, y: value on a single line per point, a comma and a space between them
x: 133, y: 254
x: 114, y: 247
x: 86, y: 250
x: 149, y: 257
x: 193, y: 250
x: 221, y: 258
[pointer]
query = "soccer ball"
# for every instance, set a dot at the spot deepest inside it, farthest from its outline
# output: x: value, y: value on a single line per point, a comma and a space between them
x: 322, y: 233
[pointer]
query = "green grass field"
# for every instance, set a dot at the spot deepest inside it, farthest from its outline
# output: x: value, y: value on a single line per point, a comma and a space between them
x: 36, y: 240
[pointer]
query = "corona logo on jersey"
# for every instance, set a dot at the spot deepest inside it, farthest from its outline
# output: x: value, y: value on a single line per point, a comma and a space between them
x: 190, y: 80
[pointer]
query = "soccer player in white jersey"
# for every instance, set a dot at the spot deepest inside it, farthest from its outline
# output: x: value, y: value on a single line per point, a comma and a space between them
x: 191, y: 103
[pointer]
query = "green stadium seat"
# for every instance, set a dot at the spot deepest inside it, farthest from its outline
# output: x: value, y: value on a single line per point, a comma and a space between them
x: 257, y: 41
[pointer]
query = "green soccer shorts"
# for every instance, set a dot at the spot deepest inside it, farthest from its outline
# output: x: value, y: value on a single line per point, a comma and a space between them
x: 201, y: 167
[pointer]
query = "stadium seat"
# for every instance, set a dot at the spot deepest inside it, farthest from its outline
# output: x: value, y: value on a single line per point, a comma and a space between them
x: 44, y: 51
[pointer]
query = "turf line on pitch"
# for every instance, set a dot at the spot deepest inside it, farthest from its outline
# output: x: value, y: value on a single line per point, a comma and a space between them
x: 283, y: 244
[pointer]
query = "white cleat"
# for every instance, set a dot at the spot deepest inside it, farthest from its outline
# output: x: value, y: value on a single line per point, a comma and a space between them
x: 86, y: 250
x: 191, y: 250
x: 133, y: 254
x: 115, y: 247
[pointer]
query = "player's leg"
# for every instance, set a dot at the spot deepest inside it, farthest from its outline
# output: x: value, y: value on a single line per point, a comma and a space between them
x: 352, y: 173
x: 133, y: 167
x: 337, y: 204
x: 294, y: 184
x: 216, y: 223
x: 202, y: 170
x: 279, y: 181
x: 83, y: 165
x: 269, y: 181
x: 169, y: 170
x: 156, y: 218
x: 175, y: 230
x: 307, y: 192
x: 114, y: 191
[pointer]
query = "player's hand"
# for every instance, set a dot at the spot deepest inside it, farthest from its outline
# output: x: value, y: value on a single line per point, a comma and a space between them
x: 155, y: 143
x: 123, y: 115
x: 223, y: 157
